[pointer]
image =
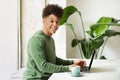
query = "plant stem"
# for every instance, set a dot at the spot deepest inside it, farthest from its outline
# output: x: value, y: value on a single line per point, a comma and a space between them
x: 103, y: 47
x: 87, y: 45
x: 82, y: 25
x: 97, y: 53
x: 81, y: 53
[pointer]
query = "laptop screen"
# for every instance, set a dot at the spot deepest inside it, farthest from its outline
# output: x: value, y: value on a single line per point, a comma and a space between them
x: 87, y: 68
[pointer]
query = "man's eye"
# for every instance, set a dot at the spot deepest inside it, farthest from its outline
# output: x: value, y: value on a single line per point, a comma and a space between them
x: 52, y: 21
x: 57, y: 22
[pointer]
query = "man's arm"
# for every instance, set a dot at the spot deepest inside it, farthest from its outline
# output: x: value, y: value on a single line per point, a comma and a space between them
x: 60, y: 61
x: 36, y: 50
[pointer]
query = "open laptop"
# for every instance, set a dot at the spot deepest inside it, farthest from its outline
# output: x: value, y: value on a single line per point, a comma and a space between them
x: 87, y: 68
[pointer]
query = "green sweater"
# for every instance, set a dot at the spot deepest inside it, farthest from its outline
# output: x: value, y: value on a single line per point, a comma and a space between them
x: 42, y: 60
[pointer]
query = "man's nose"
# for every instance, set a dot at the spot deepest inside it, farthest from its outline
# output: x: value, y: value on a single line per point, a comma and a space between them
x: 55, y: 24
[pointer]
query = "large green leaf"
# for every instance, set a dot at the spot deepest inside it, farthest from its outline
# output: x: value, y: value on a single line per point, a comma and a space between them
x: 86, y: 48
x: 75, y: 42
x: 103, y: 24
x: 98, y: 30
x: 68, y: 11
x: 97, y: 43
x: 110, y: 33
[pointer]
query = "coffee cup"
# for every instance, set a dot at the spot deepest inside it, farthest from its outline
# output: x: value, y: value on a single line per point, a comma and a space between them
x: 75, y: 71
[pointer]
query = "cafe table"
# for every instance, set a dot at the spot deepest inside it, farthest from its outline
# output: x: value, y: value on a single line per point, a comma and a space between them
x: 100, y: 70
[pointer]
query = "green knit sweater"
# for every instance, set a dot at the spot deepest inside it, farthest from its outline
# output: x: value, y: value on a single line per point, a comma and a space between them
x: 42, y: 60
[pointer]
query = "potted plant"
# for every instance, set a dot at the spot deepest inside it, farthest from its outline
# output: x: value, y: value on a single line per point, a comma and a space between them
x: 94, y: 39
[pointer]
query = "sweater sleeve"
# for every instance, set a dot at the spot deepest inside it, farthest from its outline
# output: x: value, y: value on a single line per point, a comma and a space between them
x: 60, y: 61
x: 36, y: 50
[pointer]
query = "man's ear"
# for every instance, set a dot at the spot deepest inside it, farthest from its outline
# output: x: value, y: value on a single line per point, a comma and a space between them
x: 43, y: 20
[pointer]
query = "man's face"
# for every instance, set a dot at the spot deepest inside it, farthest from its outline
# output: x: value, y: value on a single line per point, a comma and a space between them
x: 51, y: 24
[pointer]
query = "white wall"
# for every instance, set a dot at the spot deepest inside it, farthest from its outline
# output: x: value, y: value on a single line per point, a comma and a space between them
x: 91, y: 11
x: 8, y: 37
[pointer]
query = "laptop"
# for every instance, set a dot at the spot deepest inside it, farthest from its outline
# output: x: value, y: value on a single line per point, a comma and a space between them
x: 87, y: 68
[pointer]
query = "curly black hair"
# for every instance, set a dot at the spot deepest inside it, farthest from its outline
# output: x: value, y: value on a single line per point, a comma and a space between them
x: 52, y: 9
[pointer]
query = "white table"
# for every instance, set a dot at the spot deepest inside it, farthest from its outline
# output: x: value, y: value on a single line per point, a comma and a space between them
x: 101, y: 70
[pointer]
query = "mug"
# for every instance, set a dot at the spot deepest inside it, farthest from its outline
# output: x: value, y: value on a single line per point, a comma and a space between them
x: 75, y: 71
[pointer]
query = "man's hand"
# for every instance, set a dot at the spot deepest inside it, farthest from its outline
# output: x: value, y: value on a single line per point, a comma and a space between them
x: 80, y: 62
x: 70, y: 66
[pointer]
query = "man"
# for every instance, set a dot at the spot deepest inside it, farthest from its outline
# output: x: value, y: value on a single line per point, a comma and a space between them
x: 42, y: 59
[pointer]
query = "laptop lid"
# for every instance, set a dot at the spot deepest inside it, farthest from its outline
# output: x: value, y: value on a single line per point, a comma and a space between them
x: 87, y: 68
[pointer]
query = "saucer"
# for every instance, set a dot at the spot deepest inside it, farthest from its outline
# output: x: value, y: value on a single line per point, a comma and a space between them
x: 81, y: 74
